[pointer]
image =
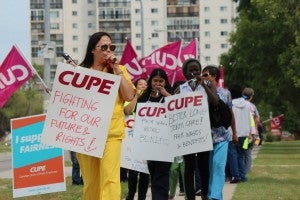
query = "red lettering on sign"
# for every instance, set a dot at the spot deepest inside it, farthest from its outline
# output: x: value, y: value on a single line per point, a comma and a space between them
x: 87, y: 82
x: 151, y: 111
x: 184, y: 102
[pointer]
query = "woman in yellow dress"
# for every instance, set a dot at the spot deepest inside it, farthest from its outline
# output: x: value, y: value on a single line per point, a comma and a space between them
x: 101, y: 176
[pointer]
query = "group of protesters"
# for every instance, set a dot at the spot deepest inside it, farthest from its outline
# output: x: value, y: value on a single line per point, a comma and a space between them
x: 101, y: 176
x: 228, y: 144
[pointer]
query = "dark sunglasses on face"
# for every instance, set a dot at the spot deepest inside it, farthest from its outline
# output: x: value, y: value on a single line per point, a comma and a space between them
x: 205, y: 75
x: 105, y: 47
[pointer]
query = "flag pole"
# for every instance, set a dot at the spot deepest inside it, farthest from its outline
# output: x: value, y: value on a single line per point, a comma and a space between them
x: 271, y: 118
x: 34, y: 70
x: 174, y: 75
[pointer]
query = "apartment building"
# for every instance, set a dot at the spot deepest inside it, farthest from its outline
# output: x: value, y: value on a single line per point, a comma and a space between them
x: 148, y: 24
x: 215, y: 27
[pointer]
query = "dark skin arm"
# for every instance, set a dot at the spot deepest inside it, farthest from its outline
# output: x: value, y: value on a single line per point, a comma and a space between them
x: 210, y: 90
x: 233, y: 128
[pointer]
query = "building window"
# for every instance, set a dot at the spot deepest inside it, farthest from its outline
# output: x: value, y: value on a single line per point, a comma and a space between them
x: 207, y: 58
x: 74, y: 13
x: 75, y: 37
x: 223, y: 33
x: 54, y: 14
x: 207, y: 34
x: 75, y: 25
x: 223, y: 8
x: 154, y: 10
x: 138, y: 23
x: 224, y: 46
x: 138, y: 35
x: 207, y: 46
x: 154, y: 47
x: 154, y: 23
x: 206, y: 9
x: 90, y: 1
x: 75, y: 50
x: 37, y: 15
x: 154, y: 35
x: 91, y: 25
x: 137, y: 10
x: 207, y: 21
x: 91, y: 13
x: 138, y: 48
x: 54, y: 26
x: 224, y: 21
x: 74, y: 1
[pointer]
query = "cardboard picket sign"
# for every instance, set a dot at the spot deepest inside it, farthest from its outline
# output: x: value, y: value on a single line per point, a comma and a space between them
x: 128, y: 159
x: 188, y: 121
x: 37, y: 168
x: 152, y: 136
x: 80, y: 109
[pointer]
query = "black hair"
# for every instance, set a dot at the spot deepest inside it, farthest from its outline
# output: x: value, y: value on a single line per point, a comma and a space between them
x: 236, y: 91
x: 94, y: 39
x: 187, y: 63
x: 213, y: 71
x: 137, y: 81
x: 155, y: 72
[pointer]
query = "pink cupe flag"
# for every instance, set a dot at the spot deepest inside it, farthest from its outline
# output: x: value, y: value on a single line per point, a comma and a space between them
x: 165, y: 57
x: 221, y: 79
x: 14, y: 72
x: 129, y: 60
x: 276, y: 122
x: 189, y: 51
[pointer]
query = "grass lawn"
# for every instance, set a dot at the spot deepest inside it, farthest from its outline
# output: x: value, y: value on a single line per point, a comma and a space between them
x: 4, y: 148
x: 74, y: 192
x: 275, y: 173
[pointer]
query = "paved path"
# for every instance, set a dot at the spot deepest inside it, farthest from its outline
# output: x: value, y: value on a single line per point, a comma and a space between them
x: 227, y: 193
x: 228, y: 190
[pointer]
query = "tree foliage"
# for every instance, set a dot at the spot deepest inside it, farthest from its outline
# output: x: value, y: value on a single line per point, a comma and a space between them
x: 265, y: 55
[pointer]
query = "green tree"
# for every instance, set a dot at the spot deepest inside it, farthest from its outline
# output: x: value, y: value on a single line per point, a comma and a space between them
x: 265, y: 55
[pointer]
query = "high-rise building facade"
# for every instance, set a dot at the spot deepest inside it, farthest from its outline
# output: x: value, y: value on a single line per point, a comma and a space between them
x: 148, y: 24
x: 216, y: 23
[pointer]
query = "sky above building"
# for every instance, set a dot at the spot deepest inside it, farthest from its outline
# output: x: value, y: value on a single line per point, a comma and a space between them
x: 15, y: 26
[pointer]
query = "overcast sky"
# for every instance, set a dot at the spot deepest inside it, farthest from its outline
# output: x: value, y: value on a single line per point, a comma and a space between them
x: 14, y: 26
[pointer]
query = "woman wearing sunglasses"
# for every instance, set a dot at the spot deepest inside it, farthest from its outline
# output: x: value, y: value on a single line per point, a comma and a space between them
x: 101, y: 176
x: 220, y: 136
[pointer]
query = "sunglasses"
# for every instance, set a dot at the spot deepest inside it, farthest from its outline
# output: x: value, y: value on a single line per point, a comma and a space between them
x: 205, y: 75
x: 105, y: 47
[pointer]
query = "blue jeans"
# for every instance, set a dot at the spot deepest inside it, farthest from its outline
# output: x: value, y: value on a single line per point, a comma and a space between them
x: 241, y: 155
x: 248, y: 158
x: 76, y: 178
x: 217, y: 164
x: 232, y: 160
